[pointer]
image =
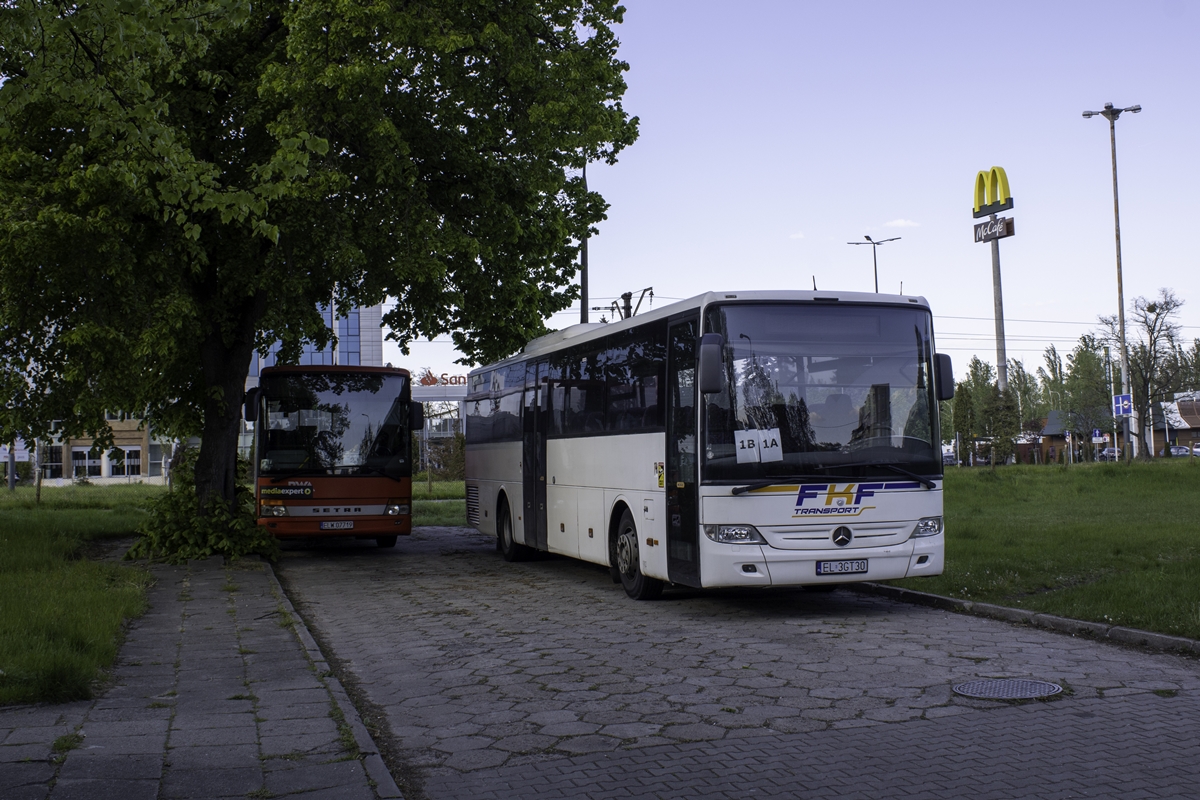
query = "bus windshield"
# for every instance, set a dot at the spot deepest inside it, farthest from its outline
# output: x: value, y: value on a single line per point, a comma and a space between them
x: 816, y: 391
x: 325, y: 423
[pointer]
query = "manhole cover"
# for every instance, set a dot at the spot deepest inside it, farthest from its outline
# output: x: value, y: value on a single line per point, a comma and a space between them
x: 1007, y: 690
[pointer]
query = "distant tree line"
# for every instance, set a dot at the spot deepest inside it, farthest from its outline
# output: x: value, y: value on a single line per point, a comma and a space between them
x: 1079, y: 384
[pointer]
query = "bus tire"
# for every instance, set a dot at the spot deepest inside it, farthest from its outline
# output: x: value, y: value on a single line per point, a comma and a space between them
x: 505, y: 543
x: 636, y: 585
x: 385, y: 541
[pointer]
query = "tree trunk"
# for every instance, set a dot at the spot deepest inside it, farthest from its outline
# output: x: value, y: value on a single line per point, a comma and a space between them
x: 225, y: 364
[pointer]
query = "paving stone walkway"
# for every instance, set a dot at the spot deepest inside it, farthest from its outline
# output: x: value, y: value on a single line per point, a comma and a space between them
x: 216, y: 694
x: 542, y: 679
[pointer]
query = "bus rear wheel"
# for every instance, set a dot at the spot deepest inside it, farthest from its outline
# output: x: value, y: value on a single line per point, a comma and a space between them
x: 385, y: 541
x: 629, y: 561
x: 505, y: 543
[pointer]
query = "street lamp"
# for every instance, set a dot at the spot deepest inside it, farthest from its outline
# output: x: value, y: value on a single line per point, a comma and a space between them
x: 874, y: 258
x: 1111, y: 114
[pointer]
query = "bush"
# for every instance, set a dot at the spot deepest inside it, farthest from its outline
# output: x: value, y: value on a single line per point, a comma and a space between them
x: 176, y: 530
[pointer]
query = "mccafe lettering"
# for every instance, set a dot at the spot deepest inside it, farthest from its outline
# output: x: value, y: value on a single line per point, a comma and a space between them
x: 998, y: 228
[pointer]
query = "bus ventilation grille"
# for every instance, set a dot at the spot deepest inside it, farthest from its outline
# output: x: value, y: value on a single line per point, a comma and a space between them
x: 473, y: 505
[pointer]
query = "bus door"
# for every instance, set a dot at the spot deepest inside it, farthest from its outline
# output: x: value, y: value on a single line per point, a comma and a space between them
x: 683, y: 529
x: 534, y: 419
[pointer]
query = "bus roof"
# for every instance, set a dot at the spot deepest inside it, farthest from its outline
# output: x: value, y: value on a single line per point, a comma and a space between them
x: 584, y: 332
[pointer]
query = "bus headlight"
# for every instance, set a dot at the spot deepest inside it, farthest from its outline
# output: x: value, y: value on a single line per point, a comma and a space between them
x: 274, y: 509
x: 928, y: 526
x: 397, y: 510
x: 734, y: 534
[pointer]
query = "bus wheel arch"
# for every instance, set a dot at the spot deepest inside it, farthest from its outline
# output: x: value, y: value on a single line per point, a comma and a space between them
x: 625, y: 556
x: 506, y: 543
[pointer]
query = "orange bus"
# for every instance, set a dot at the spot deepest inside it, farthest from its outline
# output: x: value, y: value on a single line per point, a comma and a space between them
x: 333, y: 451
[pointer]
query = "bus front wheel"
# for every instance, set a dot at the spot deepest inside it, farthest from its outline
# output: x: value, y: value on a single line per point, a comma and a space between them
x: 505, y: 543
x: 629, y: 561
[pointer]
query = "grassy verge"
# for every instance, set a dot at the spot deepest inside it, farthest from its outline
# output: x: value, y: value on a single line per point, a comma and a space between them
x: 114, y: 496
x: 439, y: 512
x: 442, y: 490
x: 61, y: 615
x: 1102, y: 542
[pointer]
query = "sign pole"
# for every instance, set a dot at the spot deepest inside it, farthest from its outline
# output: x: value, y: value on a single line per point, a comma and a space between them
x: 992, y: 195
x: 1001, y: 355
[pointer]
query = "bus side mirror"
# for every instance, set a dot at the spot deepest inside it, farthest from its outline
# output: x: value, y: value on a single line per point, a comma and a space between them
x: 945, y: 377
x: 250, y: 409
x: 711, y: 377
x: 416, y: 416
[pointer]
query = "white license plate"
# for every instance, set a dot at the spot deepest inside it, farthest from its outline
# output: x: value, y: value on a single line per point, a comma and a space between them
x: 337, y: 526
x: 855, y: 567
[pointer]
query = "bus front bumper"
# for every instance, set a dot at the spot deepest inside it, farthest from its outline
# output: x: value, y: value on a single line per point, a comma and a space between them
x: 762, y: 565
x: 309, y: 527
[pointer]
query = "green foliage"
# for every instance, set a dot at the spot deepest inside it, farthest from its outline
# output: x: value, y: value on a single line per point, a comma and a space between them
x: 1111, y: 543
x: 176, y: 531
x: 1005, y: 423
x: 185, y: 183
x: 60, y: 615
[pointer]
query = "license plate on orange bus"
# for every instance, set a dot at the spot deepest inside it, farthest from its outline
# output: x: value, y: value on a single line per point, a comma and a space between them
x: 855, y: 567
x: 337, y: 526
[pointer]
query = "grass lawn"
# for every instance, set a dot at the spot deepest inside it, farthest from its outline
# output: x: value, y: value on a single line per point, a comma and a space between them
x: 114, y: 496
x: 1103, y: 542
x: 439, y: 512
x: 442, y: 490
x: 61, y: 614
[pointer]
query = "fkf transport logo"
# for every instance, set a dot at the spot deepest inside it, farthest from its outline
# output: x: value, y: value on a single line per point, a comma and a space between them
x: 827, y: 498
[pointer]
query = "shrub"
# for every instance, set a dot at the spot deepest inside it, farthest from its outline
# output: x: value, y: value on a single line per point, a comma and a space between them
x: 177, y: 530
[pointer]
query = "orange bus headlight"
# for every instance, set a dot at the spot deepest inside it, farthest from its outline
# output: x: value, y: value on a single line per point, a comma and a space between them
x: 273, y: 508
x: 397, y: 509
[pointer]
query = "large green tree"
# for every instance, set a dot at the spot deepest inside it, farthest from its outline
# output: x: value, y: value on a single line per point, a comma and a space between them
x: 182, y: 183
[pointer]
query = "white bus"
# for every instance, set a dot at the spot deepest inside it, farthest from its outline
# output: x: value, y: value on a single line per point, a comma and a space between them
x: 733, y: 439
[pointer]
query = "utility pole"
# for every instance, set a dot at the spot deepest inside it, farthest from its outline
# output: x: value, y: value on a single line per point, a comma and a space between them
x: 1111, y: 114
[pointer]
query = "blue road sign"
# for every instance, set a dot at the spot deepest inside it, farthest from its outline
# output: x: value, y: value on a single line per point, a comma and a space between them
x: 1122, y: 405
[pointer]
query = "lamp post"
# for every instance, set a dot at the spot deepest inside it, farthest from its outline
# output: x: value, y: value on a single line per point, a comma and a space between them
x: 1111, y: 114
x: 874, y: 258
x: 583, y: 264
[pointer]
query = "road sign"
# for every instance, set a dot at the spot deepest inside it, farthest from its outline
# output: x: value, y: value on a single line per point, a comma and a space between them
x: 998, y: 228
x: 1122, y: 405
x: 1097, y: 437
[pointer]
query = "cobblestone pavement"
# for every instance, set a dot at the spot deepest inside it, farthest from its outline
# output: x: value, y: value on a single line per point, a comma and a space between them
x: 542, y: 679
x: 212, y: 697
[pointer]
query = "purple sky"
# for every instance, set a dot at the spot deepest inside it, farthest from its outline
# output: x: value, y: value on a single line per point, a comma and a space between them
x: 773, y: 133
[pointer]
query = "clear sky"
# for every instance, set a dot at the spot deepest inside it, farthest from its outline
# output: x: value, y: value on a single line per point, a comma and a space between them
x: 773, y: 133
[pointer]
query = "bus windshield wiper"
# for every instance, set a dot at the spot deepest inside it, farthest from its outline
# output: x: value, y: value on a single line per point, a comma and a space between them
x: 898, y: 470
x: 300, y: 473
x: 928, y: 484
x: 764, y: 484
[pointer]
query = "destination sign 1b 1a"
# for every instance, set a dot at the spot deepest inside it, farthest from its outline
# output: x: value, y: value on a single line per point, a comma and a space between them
x: 998, y: 228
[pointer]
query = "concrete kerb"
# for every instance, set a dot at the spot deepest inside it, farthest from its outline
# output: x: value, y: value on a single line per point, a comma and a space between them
x: 1074, y: 627
x: 385, y: 785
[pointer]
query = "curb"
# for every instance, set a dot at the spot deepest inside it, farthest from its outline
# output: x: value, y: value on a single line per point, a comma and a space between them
x: 1074, y: 627
x: 385, y: 785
